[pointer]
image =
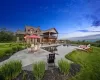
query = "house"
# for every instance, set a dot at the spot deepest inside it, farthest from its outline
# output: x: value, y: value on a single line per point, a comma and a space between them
x: 46, y: 36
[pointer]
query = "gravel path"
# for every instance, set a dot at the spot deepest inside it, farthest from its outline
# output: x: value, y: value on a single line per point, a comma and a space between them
x: 29, y: 58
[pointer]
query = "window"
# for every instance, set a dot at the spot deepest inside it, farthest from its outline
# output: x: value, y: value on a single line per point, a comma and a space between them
x: 31, y: 31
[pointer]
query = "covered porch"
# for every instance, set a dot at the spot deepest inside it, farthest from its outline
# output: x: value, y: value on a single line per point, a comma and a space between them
x: 47, y: 40
x: 50, y: 36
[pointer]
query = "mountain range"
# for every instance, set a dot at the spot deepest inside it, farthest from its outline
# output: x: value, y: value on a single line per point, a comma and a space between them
x: 87, y: 38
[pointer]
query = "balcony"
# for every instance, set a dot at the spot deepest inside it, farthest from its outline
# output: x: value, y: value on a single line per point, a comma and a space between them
x: 51, y: 36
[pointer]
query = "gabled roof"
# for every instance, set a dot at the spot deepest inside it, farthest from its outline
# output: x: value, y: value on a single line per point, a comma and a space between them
x: 20, y: 32
x: 53, y: 30
x: 31, y: 27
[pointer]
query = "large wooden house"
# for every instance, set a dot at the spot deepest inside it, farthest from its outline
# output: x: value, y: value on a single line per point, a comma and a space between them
x: 46, y: 36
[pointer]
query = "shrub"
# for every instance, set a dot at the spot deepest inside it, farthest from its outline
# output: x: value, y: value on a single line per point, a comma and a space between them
x: 10, y: 70
x: 10, y: 45
x: 64, y: 66
x: 38, y: 70
x: 14, y: 49
x: 2, y: 77
x: 19, y: 48
x: 2, y: 53
x: 9, y: 51
x: 24, y: 76
x: 5, y: 52
x: 23, y: 47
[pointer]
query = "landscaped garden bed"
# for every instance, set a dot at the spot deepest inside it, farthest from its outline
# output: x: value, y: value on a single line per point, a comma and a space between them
x: 13, y: 71
x: 10, y: 70
x: 25, y: 75
x: 53, y: 74
x: 8, y: 49
x: 56, y: 74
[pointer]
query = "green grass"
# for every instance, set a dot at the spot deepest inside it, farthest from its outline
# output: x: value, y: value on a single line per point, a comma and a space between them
x: 90, y: 64
x: 7, y: 49
x: 64, y: 66
x: 38, y: 70
x: 10, y: 70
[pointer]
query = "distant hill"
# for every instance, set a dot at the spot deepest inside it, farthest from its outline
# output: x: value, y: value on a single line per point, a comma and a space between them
x: 87, y: 38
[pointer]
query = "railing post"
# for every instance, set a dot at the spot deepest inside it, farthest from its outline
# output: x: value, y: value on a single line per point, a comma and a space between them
x: 49, y: 34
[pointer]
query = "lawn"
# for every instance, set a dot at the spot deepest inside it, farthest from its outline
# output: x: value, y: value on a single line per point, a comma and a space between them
x: 90, y: 64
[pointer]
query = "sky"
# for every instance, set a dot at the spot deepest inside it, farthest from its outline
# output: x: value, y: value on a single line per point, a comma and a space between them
x: 71, y: 18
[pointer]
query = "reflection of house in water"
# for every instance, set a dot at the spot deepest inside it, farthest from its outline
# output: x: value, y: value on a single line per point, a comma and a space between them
x: 46, y: 36
x: 51, y: 49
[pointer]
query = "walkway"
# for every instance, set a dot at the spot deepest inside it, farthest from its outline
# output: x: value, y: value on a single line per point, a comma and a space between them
x: 29, y: 58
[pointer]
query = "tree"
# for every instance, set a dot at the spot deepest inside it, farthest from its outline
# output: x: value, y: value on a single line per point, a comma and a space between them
x: 6, y: 35
x: 98, y: 41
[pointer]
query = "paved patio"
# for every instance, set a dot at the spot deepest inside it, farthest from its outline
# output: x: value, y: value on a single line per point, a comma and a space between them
x: 29, y: 58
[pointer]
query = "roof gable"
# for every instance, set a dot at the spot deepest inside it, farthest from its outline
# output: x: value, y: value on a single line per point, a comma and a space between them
x: 37, y: 30
x: 53, y: 30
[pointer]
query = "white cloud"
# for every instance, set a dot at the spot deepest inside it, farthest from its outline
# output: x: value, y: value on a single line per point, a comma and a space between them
x: 93, y: 28
x: 77, y: 33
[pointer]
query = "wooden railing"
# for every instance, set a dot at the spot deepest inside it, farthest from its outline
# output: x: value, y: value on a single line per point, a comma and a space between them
x: 51, y: 36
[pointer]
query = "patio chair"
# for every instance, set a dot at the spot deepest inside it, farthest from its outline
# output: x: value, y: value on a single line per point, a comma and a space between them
x: 39, y: 46
x: 32, y: 45
x: 35, y: 48
x: 51, y: 60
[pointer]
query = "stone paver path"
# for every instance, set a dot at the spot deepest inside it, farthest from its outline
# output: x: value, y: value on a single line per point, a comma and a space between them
x: 29, y: 58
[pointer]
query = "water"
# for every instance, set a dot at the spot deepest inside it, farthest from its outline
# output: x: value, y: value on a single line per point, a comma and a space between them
x: 56, y: 49
x: 60, y: 51
x: 51, y: 49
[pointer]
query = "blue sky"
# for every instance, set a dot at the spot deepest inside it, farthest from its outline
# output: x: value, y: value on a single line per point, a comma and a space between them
x: 71, y: 18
